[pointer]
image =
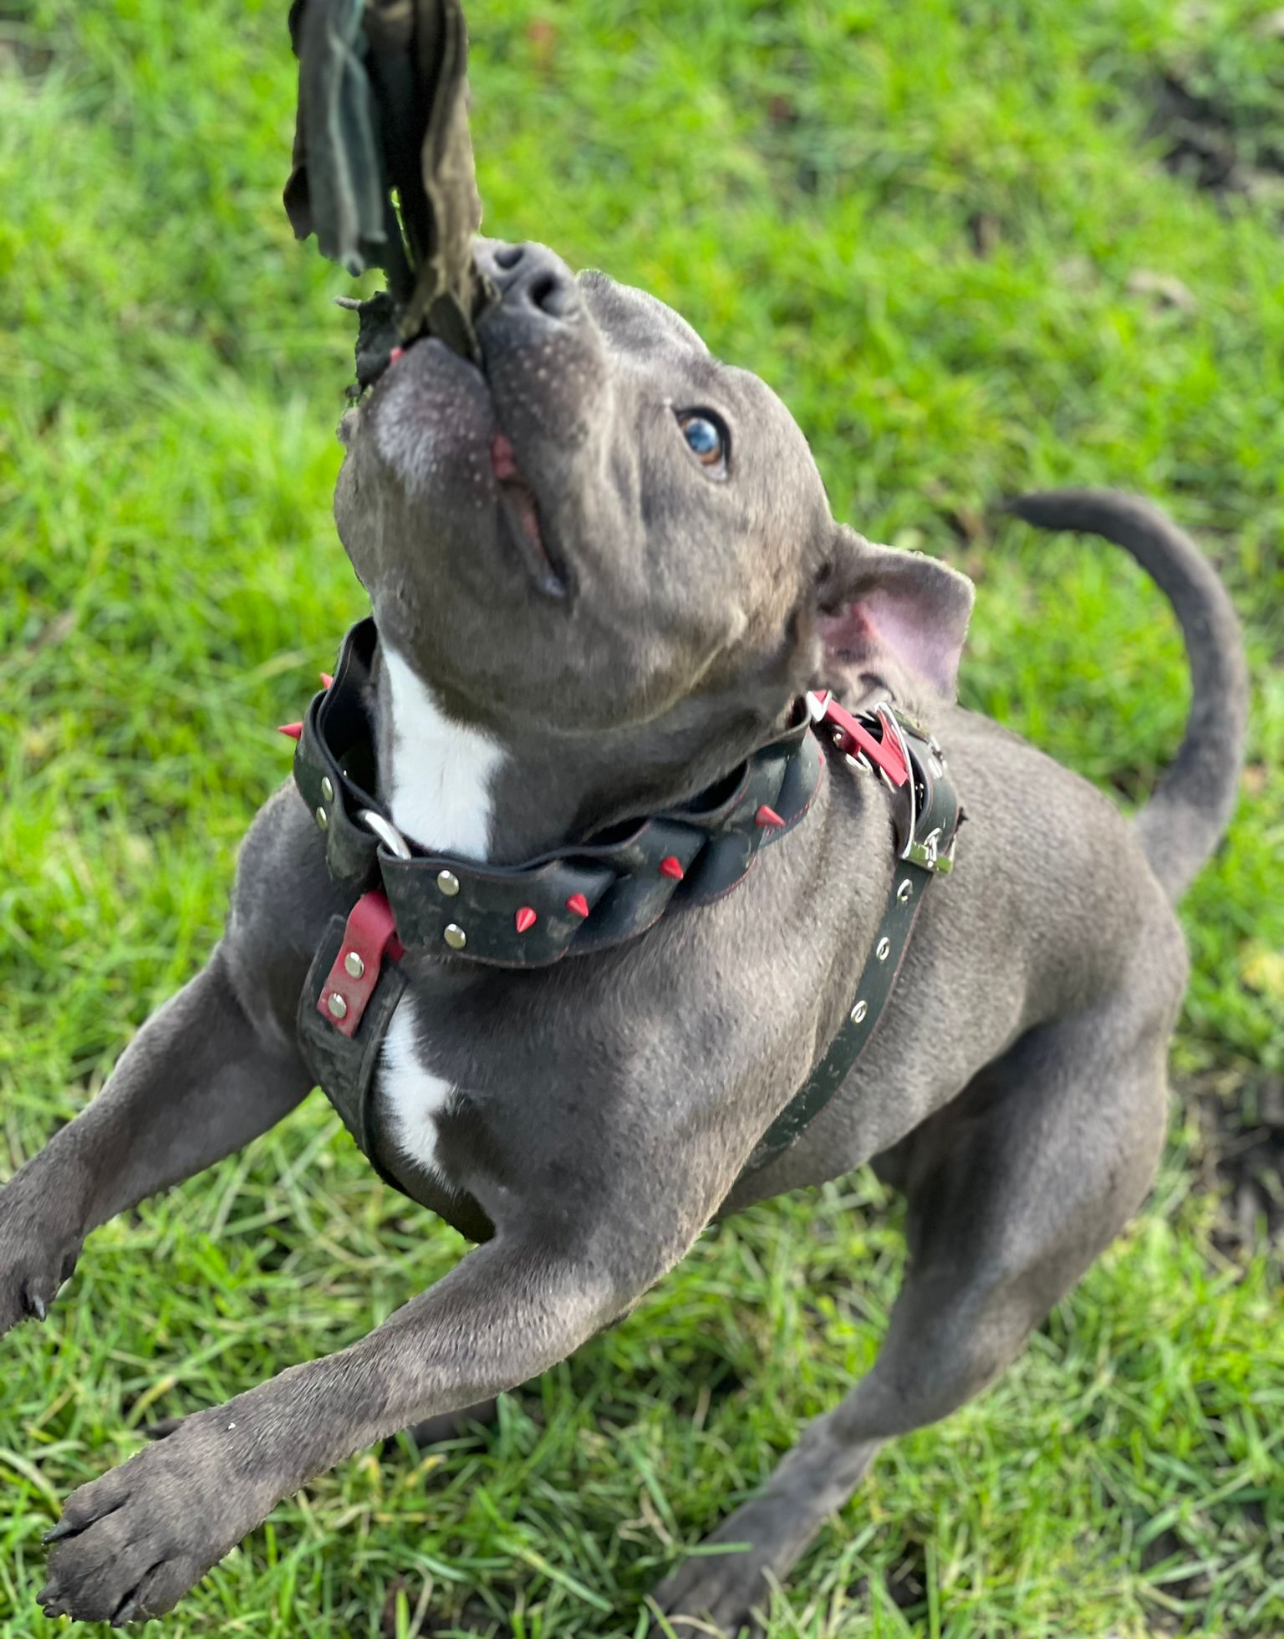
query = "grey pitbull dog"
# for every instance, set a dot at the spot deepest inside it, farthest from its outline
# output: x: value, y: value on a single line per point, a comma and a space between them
x: 603, y: 571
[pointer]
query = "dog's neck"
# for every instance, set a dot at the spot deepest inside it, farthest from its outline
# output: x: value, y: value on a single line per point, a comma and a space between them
x: 453, y: 788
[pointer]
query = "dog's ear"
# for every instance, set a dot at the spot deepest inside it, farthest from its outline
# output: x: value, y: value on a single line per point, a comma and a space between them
x: 885, y: 611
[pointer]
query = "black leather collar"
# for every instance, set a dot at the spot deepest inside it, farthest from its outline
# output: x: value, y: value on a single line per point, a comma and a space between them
x: 583, y: 897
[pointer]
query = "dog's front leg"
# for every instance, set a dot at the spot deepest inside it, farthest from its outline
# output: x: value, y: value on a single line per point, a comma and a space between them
x: 197, y: 1082
x: 133, y: 1542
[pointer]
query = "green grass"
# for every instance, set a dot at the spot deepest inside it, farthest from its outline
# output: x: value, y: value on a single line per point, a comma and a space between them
x: 923, y: 224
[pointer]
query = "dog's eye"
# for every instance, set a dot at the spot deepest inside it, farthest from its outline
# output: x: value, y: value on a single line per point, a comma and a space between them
x: 705, y: 436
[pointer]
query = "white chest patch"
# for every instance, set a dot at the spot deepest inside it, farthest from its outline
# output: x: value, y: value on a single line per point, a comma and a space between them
x: 438, y: 793
x: 439, y: 784
x: 412, y: 1095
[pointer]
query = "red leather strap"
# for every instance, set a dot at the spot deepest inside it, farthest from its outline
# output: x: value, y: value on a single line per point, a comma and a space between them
x: 369, y: 938
x: 885, y: 754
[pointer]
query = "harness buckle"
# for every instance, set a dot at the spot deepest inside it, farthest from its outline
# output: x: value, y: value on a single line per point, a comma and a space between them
x: 888, y: 754
x: 926, y: 852
x: 893, y: 732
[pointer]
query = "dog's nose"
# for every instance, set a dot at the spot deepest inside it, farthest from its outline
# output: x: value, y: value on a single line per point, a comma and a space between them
x: 533, y: 281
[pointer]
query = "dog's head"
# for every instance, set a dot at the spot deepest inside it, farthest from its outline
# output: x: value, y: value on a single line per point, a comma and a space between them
x: 606, y: 528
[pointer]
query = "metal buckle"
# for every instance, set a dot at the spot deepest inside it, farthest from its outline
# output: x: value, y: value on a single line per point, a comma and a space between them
x: 387, y: 833
x: 886, y: 714
x: 927, y: 852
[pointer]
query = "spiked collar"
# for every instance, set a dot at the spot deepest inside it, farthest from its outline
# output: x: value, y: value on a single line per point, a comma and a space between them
x: 585, y: 895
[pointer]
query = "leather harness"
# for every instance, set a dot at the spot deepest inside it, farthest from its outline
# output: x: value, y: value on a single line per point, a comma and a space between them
x: 588, y: 895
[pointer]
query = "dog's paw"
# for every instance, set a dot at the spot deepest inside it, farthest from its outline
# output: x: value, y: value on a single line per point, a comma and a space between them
x: 726, y: 1589
x: 35, y: 1259
x: 131, y: 1544
x: 726, y: 1594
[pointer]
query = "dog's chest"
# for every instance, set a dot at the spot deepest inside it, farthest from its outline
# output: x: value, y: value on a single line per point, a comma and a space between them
x: 439, y: 784
x: 410, y: 1098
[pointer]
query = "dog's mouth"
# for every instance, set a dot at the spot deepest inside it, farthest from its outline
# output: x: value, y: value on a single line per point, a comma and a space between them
x: 522, y: 526
x: 520, y: 512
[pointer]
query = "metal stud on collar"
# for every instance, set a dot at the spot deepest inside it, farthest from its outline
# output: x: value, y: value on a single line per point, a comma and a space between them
x: 327, y: 788
x: 323, y: 819
x: 336, y: 1004
x: 353, y: 965
x: 448, y: 883
x: 455, y: 936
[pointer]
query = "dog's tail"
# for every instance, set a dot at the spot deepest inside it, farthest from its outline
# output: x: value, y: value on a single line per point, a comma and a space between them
x: 1181, y: 824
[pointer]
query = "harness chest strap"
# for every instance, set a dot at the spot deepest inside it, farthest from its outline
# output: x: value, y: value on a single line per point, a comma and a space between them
x: 935, y: 817
x: 586, y: 896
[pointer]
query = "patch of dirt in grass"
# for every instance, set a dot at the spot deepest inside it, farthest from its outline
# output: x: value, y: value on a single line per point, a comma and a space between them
x: 1240, y: 1155
x: 1217, y: 146
x: 473, y: 1621
x: 23, y: 48
x: 905, y: 1583
x: 1168, y: 1548
x: 908, y: 1579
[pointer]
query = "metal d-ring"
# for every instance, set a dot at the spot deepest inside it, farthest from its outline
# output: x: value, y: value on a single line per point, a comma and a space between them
x: 387, y: 833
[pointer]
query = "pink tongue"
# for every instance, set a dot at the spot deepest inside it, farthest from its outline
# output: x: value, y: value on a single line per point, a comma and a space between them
x: 502, y: 458
x: 505, y: 465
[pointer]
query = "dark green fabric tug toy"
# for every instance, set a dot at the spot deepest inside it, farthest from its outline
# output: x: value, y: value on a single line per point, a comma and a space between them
x: 383, y: 109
